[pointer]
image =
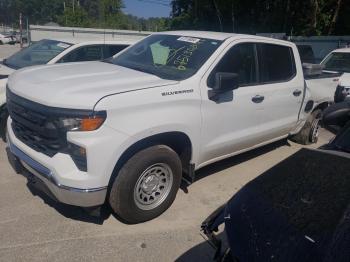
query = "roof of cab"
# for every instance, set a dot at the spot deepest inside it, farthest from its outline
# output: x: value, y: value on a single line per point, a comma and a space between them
x: 342, y: 50
x: 221, y: 36
x: 75, y: 41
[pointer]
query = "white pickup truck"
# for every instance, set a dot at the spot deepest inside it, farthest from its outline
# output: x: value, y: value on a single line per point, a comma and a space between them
x: 128, y: 130
x: 339, y: 61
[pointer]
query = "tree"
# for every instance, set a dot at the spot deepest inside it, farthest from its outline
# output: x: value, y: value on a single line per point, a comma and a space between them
x: 304, y: 17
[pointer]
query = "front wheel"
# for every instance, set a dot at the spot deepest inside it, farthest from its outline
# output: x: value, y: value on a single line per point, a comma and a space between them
x: 146, y: 185
x: 310, y: 132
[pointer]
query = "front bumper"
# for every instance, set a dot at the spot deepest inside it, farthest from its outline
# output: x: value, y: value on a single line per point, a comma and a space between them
x: 68, y: 195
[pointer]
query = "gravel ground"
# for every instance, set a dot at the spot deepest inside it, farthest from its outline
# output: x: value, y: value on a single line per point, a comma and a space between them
x: 7, y: 50
x: 34, y: 228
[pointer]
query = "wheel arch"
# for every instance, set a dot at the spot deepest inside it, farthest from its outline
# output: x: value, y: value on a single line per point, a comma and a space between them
x: 322, y: 106
x: 178, y: 141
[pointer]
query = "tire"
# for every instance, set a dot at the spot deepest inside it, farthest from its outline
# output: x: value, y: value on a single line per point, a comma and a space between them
x: 146, y: 185
x: 310, y: 131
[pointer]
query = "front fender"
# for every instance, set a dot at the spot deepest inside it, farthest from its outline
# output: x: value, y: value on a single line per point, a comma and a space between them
x: 148, y: 112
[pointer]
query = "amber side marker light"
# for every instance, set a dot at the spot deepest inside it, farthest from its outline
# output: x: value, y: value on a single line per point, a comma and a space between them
x: 91, y: 124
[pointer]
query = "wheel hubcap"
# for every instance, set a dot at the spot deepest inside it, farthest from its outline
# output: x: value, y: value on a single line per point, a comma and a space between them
x: 153, y: 186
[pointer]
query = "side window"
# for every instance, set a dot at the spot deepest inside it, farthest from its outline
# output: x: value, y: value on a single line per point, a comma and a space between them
x: 111, y: 50
x: 276, y: 63
x: 240, y: 60
x: 86, y: 53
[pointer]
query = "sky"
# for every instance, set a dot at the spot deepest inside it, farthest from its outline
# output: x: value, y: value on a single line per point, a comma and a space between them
x: 147, y: 8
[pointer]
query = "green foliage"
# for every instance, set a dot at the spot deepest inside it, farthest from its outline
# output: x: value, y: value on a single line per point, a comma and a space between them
x: 82, y: 13
x: 298, y: 17
x: 79, y: 17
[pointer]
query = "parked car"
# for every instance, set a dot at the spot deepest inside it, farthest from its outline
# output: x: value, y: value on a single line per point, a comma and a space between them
x: 339, y: 61
x: 322, y: 85
x: 127, y: 129
x: 17, y: 36
x: 342, y: 92
x: 50, y: 52
x: 6, y: 39
x: 296, y: 211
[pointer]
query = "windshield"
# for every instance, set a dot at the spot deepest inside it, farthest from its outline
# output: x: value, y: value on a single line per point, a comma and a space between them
x: 37, y: 54
x: 168, y: 56
x: 339, y: 62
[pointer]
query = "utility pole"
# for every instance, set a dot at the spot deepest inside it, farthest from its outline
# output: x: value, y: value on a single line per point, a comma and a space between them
x: 20, y: 30
x: 28, y: 33
x: 73, y: 5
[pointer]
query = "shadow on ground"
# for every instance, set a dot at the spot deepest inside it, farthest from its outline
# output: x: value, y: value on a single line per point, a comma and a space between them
x: 99, y: 215
x: 91, y: 215
x: 203, y: 252
x: 238, y: 159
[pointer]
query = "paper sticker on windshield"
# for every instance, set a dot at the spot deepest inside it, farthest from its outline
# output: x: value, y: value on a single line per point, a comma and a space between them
x: 189, y: 39
x: 63, y: 45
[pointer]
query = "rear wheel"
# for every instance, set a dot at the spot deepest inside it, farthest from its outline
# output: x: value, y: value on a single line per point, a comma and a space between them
x: 146, y: 185
x: 310, y: 132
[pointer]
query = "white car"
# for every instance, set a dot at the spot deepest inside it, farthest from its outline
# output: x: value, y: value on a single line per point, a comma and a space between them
x: 6, y: 39
x: 339, y: 61
x: 49, y: 51
x: 128, y: 130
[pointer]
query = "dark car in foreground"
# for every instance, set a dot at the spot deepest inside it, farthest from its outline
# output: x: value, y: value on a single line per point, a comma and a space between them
x: 297, y: 211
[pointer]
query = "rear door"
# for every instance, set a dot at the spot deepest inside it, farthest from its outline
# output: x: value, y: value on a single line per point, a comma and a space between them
x: 282, y: 85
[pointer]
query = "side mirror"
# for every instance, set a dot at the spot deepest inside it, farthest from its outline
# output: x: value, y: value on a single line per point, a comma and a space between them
x: 223, y: 82
x: 312, y: 69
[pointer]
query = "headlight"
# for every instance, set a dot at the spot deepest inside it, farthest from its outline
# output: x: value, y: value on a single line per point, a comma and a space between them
x: 82, y: 123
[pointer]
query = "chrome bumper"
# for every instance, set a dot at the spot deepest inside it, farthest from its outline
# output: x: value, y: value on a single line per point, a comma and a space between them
x: 72, y: 196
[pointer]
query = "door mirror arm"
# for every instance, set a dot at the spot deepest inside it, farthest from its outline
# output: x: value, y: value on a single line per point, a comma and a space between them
x: 224, y: 82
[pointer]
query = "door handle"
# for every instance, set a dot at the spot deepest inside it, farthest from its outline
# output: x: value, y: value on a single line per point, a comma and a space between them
x: 258, y: 99
x: 297, y: 92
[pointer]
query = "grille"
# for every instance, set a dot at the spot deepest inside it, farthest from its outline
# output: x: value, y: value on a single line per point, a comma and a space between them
x: 34, y: 126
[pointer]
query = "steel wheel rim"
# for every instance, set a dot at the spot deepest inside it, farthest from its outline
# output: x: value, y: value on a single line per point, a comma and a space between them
x: 315, y: 130
x: 153, y: 186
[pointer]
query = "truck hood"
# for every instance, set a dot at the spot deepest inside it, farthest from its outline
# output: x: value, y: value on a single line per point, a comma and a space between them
x: 78, y: 85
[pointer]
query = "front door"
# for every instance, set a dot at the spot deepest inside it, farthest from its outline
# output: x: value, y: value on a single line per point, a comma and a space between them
x: 231, y: 122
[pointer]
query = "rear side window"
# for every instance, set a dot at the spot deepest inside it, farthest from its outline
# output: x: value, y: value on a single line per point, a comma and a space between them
x: 276, y: 63
x: 111, y: 50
